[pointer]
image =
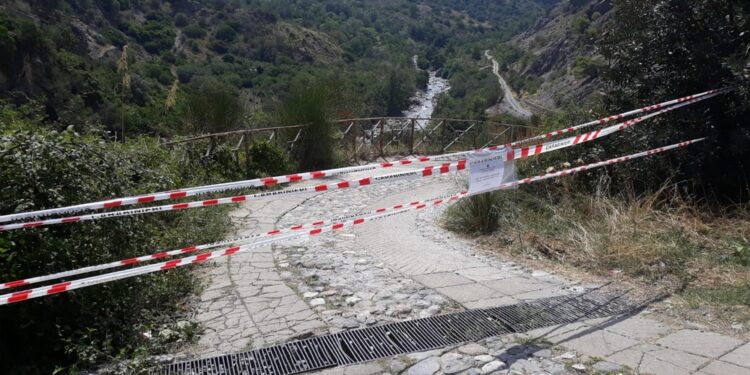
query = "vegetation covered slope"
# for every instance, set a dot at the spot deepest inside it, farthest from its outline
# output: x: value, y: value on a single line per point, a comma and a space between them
x: 556, y: 62
x: 678, y: 221
x: 66, y: 53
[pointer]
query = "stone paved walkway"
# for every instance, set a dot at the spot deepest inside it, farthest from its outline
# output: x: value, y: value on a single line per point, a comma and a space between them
x: 408, y: 267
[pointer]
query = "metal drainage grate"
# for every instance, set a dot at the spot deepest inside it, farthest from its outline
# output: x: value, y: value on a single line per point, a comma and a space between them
x: 366, y: 344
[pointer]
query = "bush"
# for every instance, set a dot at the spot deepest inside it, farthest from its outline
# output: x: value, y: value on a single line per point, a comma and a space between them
x: 194, y: 31
x: 311, y: 104
x: 212, y: 107
x: 91, y: 325
x: 587, y: 67
x: 180, y: 20
x: 580, y: 24
x: 266, y: 159
x: 225, y: 33
x: 476, y: 214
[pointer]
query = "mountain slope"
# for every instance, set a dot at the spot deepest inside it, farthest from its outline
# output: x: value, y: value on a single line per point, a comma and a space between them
x: 555, y: 62
x: 65, y: 53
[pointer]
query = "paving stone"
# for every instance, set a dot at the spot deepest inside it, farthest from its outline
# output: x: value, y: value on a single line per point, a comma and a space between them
x: 427, y: 366
x: 317, y: 302
x: 493, y: 366
x: 739, y: 356
x: 416, y: 357
x: 441, y: 279
x: 454, y: 366
x: 516, y: 285
x: 606, y: 367
x: 472, y: 349
x: 599, y: 343
x: 525, y: 366
x: 490, y: 302
x: 484, y: 358
x: 468, y: 292
x: 707, y: 344
x: 255, y: 302
x: 657, y: 360
x: 639, y: 328
x: 723, y: 368
x: 369, y: 368
x: 539, y: 294
x: 542, y: 353
x: 579, y: 367
x: 557, y: 369
x: 397, y: 366
x: 483, y: 273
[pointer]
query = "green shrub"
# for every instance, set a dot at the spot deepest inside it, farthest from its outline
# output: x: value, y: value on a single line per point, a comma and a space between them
x: 212, y: 107
x: 587, y: 67
x: 41, y: 169
x: 194, y: 31
x: 180, y: 20
x: 225, y: 33
x: 580, y: 24
x: 267, y: 159
x: 476, y: 214
x: 312, y: 104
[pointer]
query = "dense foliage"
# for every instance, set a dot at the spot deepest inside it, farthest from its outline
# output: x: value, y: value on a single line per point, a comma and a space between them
x: 66, y: 53
x: 310, y: 104
x: 43, y: 168
x: 690, y: 46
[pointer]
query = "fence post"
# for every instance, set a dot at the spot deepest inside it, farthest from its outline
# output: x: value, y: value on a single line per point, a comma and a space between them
x: 247, y: 153
x: 411, y: 137
x: 355, y: 158
x: 382, y: 120
x: 474, y: 138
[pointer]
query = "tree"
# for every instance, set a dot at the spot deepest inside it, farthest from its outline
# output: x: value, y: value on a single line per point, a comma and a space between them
x: 225, y: 33
x: 672, y: 49
x: 212, y: 107
x: 312, y: 104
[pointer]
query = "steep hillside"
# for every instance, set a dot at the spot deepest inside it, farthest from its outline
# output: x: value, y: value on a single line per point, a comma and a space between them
x: 68, y: 56
x: 555, y: 62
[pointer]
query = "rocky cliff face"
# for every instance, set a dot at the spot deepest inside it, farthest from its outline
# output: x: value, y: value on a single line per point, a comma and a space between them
x: 560, y: 52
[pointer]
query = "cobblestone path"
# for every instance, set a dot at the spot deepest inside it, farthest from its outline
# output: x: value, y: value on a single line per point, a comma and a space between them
x: 408, y: 267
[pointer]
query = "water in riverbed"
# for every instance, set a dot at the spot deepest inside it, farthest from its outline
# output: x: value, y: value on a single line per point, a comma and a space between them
x: 425, y: 101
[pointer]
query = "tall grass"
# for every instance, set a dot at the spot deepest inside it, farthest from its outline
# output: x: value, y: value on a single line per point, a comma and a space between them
x: 476, y: 214
x: 662, y: 238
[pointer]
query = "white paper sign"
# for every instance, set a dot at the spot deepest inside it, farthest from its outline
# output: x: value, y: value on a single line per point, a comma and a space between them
x: 486, y: 171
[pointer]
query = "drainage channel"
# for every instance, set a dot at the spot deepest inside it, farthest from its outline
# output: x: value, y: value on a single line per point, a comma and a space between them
x: 382, y: 341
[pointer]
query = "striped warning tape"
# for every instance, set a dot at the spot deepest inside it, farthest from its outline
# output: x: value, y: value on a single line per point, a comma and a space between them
x: 424, y: 172
x: 585, y: 137
x: 194, y: 248
x: 604, y: 120
x: 118, y: 275
x: 297, y: 177
x: 428, y: 171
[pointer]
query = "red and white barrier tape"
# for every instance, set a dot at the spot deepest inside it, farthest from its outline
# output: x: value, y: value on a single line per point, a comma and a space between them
x: 269, y: 181
x: 192, y: 249
x: 419, y: 173
x: 605, y: 120
x: 99, y: 279
x: 573, y: 140
x: 519, y: 153
x: 118, y: 275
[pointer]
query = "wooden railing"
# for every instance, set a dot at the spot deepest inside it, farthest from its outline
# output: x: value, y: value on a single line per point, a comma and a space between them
x: 366, y: 139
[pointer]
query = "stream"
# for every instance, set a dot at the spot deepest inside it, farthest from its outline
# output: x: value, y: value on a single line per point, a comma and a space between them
x: 426, y: 100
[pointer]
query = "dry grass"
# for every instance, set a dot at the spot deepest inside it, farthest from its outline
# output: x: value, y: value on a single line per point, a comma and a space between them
x: 660, y: 240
